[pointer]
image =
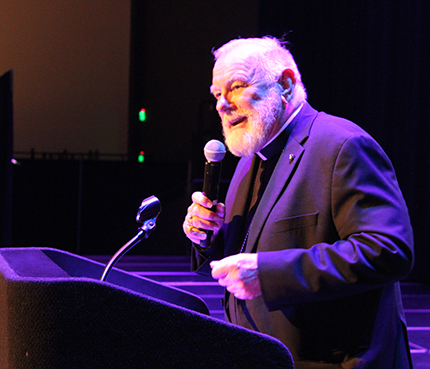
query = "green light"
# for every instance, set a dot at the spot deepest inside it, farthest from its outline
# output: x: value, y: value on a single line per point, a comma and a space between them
x: 142, y: 115
x: 141, y: 157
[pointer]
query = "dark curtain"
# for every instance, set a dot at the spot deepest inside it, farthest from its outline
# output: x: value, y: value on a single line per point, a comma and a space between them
x: 369, y: 61
x: 6, y: 149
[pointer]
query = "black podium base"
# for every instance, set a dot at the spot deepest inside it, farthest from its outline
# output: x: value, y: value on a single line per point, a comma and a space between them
x: 55, y: 313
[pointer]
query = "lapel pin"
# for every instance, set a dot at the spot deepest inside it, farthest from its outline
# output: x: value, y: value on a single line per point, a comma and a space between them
x: 291, y: 157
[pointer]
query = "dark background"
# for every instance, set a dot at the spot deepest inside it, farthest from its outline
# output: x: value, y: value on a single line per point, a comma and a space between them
x: 367, y: 61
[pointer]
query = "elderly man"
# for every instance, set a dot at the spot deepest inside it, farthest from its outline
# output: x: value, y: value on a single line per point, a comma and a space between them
x: 314, y: 234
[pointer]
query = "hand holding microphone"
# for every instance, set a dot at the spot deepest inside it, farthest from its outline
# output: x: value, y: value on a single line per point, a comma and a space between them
x: 205, y: 216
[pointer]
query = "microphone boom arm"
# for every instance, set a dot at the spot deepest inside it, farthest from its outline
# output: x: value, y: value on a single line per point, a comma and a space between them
x: 149, y: 207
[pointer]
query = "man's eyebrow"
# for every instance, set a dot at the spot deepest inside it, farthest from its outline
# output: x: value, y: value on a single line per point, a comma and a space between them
x: 232, y: 80
x: 213, y: 89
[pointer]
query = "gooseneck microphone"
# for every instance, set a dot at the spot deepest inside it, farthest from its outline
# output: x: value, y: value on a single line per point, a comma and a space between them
x: 214, y: 152
x: 147, y: 215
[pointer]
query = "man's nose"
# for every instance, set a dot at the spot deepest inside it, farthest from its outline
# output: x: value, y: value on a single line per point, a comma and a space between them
x: 223, y: 104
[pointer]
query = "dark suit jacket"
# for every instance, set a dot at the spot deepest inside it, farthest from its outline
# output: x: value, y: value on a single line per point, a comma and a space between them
x: 334, y: 238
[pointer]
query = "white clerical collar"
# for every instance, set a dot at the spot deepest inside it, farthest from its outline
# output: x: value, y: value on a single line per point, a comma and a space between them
x: 290, y: 119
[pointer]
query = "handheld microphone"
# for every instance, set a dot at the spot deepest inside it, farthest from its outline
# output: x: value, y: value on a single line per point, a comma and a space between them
x: 214, y: 152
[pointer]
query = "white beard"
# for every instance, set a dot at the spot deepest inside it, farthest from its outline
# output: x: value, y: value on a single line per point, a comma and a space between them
x: 261, y: 120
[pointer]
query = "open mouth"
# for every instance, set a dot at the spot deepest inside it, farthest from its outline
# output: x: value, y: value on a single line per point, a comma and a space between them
x: 237, y: 121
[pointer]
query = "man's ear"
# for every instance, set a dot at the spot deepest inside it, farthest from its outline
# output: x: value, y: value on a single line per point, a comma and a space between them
x: 288, y: 82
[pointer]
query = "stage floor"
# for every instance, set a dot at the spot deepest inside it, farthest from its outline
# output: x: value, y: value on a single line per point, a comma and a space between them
x: 175, y: 271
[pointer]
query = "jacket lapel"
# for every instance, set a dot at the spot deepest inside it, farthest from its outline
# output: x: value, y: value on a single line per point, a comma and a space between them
x: 237, y: 195
x: 236, y: 202
x: 283, y: 172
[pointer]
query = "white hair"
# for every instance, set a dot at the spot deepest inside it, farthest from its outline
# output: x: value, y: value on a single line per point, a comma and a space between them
x: 270, y: 58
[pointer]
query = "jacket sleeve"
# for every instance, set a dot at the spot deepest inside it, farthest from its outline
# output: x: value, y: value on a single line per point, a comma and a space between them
x: 201, y: 257
x: 375, y: 245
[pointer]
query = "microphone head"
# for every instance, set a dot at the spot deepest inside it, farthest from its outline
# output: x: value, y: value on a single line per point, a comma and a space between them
x: 150, y: 208
x: 214, y: 150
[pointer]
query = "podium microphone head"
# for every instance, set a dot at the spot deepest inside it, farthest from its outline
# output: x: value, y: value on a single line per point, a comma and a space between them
x: 150, y: 208
x: 214, y: 151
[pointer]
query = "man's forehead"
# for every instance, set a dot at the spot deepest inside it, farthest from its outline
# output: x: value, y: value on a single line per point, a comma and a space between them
x: 244, y: 51
x: 234, y: 67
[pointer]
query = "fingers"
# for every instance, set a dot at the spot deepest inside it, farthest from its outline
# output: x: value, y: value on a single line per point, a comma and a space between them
x: 238, y: 274
x: 221, y: 269
x: 200, y: 198
x: 229, y: 277
x: 220, y: 210
x: 245, y: 262
x: 240, y: 291
x: 193, y: 233
x: 203, y: 218
x: 200, y: 217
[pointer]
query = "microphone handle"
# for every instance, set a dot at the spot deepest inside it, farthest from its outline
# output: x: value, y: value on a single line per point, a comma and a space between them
x: 211, y: 182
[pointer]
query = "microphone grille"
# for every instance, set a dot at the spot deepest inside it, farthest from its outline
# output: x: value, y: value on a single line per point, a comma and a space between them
x: 214, y: 150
